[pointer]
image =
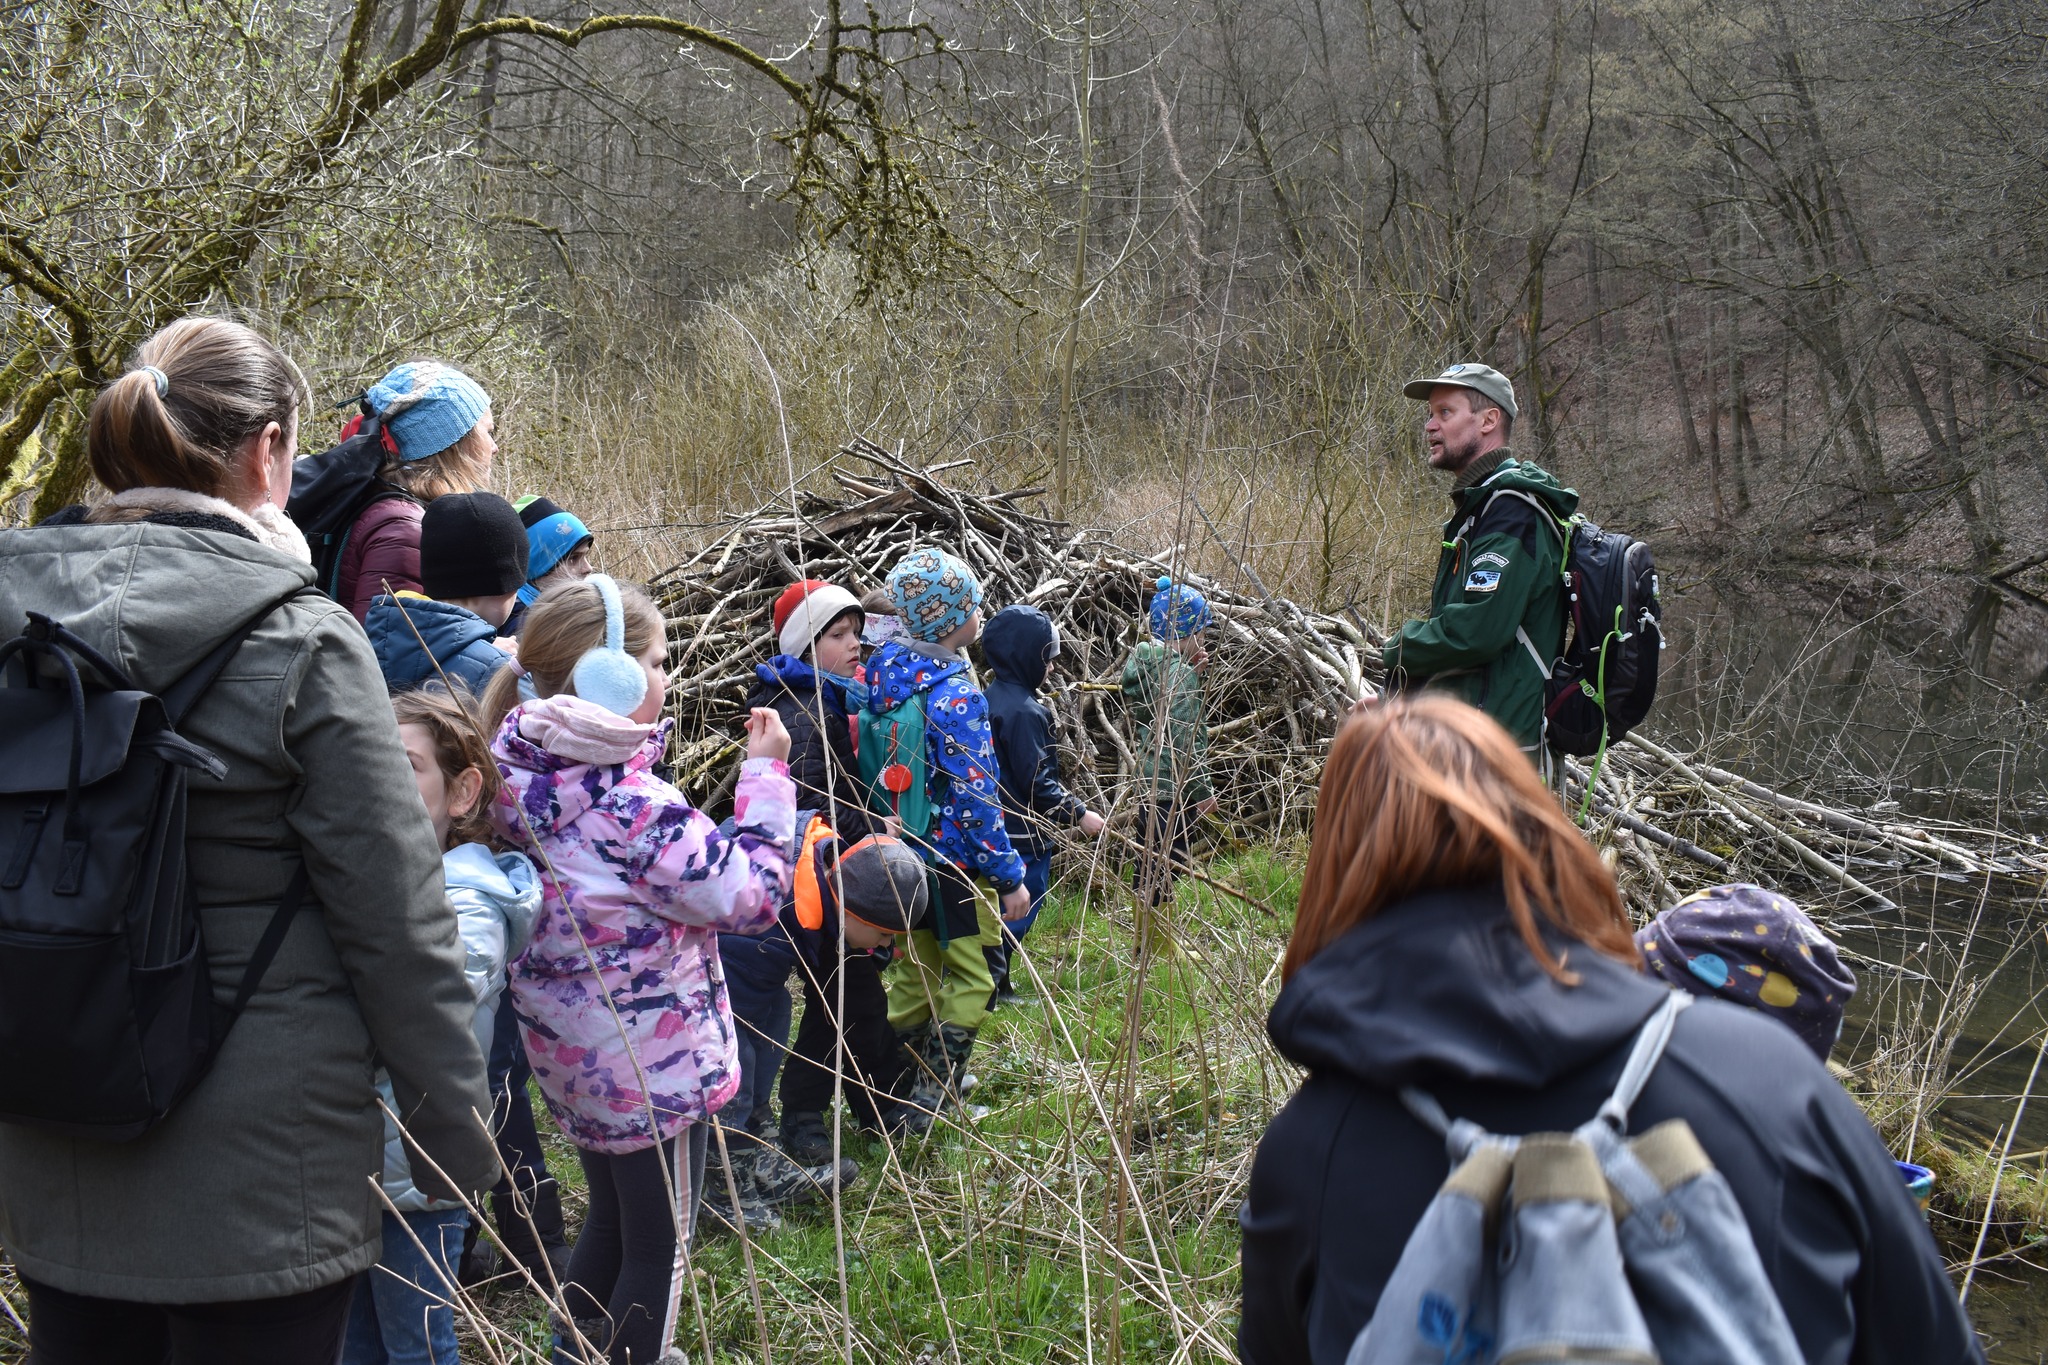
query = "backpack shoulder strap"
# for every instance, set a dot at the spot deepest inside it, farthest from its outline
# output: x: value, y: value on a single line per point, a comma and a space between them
x: 1651, y: 1041
x: 272, y: 940
x: 182, y: 695
x: 1543, y: 513
x: 1460, y: 1136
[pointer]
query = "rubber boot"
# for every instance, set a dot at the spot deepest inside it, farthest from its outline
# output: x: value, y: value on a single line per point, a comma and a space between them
x: 929, y: 1073
x: 596, y: 1331
x: 898, y: 1118
x: 754, y: 1210
x: 780, y: 1180
x: 956, y: 1045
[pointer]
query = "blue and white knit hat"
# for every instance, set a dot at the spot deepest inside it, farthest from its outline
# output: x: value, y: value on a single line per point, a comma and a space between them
x: 1178, y: 612
x: 427, y: 406
x: 934, y: 592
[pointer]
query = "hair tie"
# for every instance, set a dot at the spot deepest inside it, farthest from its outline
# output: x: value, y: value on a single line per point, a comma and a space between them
x: 163, y: 381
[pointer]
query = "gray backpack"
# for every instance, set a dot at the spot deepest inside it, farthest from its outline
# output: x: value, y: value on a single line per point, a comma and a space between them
x: 1584, y: 1246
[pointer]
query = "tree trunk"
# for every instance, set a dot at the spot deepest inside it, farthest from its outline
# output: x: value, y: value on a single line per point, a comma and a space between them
x: 1683, y: 394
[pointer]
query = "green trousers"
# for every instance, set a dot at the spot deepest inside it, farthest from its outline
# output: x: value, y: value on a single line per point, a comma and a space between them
x: 951, y: 983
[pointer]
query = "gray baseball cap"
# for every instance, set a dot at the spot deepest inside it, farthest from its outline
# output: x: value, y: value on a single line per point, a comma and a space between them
x: 1468, y: 375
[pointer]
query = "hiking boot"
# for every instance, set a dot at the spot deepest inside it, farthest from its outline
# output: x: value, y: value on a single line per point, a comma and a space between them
x: 806, y: 1139
x: 781, y: 1181
x: 754, y: 1211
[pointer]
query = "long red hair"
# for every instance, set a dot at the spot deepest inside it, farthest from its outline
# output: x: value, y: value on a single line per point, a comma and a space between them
x: 1424, y: 793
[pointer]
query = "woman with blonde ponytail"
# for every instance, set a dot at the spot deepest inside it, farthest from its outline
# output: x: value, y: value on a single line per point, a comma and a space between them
x: 236, y: 1229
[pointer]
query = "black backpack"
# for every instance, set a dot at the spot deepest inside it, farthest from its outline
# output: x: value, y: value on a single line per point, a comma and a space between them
x: 107, y: 1015
x: 330, y: 490
x: 1603, y: 684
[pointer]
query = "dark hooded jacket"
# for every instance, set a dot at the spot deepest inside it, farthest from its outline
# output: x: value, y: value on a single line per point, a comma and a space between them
x: 1439, y: 992
x: 1019, y: 645
x: 455, y: 638
x: 822, y: 762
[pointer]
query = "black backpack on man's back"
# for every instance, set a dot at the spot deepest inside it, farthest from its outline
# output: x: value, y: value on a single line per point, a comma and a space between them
x: 1605, y: 681
x: 330, y: 490
x: 107, y: 1016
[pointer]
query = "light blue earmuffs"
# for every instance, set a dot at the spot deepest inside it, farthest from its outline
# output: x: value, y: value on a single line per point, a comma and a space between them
x: 608, y: 676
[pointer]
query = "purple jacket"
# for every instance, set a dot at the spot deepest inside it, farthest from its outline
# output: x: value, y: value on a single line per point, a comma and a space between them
x: 383, y: 547
x: 621, y: 999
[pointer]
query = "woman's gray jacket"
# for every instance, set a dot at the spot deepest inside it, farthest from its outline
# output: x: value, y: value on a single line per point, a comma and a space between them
x: 263, y: 1181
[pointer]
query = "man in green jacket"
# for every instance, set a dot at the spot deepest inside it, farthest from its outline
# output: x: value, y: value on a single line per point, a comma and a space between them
x: 1497, y: 610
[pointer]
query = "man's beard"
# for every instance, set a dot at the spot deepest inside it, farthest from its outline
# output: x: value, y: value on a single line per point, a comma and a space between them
x: 1457, y: 458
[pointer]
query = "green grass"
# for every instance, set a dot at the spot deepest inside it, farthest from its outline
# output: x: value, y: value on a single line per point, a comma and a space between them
x: 1115, y: 1102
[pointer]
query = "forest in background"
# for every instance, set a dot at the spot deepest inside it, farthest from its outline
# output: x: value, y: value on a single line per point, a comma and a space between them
x: 1769, y: 275
x: 1769, y: 278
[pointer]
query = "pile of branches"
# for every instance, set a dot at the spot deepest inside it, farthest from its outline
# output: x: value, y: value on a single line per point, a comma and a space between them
x: 1279, y: 678
x: 1279, y: 681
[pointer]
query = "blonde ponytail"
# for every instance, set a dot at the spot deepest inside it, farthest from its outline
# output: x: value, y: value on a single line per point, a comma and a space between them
x: 200, y: 388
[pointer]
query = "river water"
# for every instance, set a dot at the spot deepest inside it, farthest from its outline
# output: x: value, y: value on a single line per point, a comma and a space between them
x: 1859, y: 695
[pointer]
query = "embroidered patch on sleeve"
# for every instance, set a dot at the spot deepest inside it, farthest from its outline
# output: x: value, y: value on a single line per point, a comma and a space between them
x: 1491, y: 558
x: 1482, y: 580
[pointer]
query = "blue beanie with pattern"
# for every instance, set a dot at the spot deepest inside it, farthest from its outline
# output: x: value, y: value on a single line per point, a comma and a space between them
x: 1178, y: 611
x: 427, y: 407
x: 934, y: 593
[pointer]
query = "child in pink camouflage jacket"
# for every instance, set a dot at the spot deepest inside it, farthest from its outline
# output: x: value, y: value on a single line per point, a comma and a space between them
x: 621, y: 1000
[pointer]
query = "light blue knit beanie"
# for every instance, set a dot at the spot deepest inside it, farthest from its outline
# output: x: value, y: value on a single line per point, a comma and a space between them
x: 427, y: 407
x: 934, y: 592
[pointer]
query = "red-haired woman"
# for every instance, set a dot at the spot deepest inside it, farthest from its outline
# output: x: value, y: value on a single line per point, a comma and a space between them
x: 1457, y: 934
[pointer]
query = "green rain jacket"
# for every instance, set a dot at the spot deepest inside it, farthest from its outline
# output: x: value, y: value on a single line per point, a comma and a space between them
x: 1163, y: 691
x: 1498, y: 601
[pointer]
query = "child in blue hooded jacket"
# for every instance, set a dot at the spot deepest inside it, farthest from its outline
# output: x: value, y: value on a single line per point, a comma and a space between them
x: 939, y: 986
x: 1020, y: 644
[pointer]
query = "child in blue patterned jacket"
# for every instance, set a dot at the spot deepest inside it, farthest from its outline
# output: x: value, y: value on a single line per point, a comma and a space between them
x: 940, y: 985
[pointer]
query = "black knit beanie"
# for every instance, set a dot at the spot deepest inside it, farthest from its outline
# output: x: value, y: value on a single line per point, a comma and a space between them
x: 537, y: 509
x: 471, y: 545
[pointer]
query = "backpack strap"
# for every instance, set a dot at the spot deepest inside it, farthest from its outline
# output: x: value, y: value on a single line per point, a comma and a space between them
x: 1462, y: 1135
x: 1651, y: 1041
x: 267, y: 946
x: 1543, y: 513
x: 1522, y: 634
